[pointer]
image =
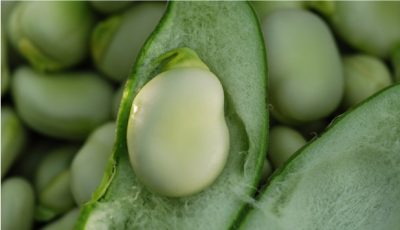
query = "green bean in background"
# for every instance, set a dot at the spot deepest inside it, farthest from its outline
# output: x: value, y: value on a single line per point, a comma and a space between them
x: 364, y: 75
x: 117, y: 40
x: 88, y: 165
x: 37, y: 149
x: 368, y: 26
x: 305, y: 71
x: 56, y: 198
x: 51, y: 35
x: 13, y: 138
x: 13, y: 57
x: 52, y: 183
x: 63, y: 105
x: 284, y: 141
x: 17, y: 204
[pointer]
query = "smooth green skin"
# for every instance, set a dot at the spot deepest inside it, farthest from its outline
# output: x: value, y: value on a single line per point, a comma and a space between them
x: 283, y: 143
x: 231, y: 46
x: 63, y: 105
x: 88, y: 166
x: 178, y: 140
x: 364, y: 76
x: 116, y: 41
x: 13, y: 138
x: 55, y: 44
x: 17, y: 204
x: 369, y: 26
x: 66, y: 222
x: 347, y: 179
x: 52, y: 183
x: 306, y: 80
x: 110, y: 7
x: 265, y: 8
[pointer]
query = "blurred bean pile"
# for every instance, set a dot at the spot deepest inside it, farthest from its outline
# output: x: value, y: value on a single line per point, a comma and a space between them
x: 64, y: 65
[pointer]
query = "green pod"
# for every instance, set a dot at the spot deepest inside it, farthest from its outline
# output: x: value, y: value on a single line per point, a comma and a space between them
x: 369, y: 26
x: 51, y: 35
x: 283, y: 143
x: 17, y: 204
x: 88, y: 165
x: 13, y: 138
x: 110, y: 7
x: 231, y: 46
x: 306, y: 80
x: 63, y: 105
x: 117, y: 41
x: 364, y: 76
x: 117, y: 101
x: 347, y: 179
x: 52, y: 182
x: 66, y: 222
